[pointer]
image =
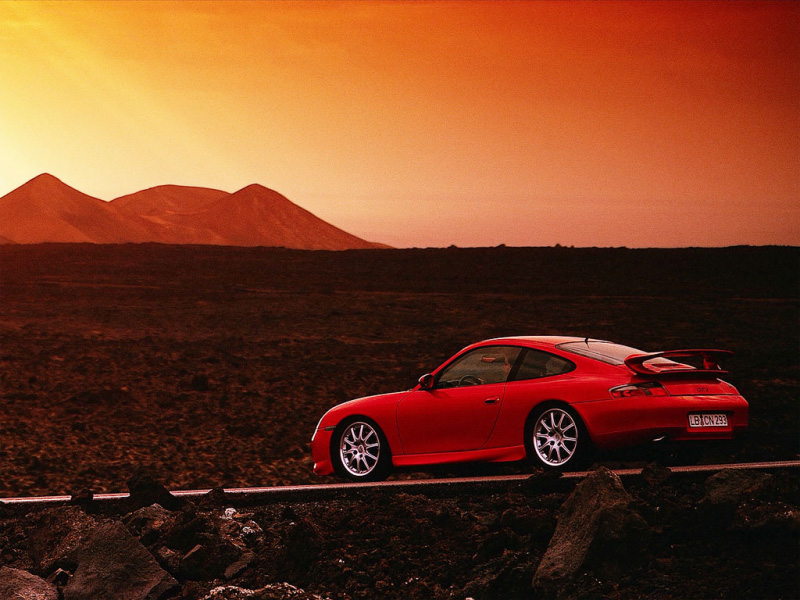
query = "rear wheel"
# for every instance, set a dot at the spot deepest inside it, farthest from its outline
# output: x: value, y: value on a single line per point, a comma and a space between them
x: 555, y: 438
x: 360, y: 452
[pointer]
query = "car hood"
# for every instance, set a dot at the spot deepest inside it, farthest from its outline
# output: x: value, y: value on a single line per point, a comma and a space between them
x: 365, y: 405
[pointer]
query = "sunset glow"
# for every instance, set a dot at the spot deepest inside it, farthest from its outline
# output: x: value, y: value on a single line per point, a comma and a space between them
x: 425, y: 123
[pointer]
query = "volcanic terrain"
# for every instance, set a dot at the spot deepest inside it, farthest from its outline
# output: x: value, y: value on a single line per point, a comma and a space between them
x: 47, y: 210
x: 210, y: 366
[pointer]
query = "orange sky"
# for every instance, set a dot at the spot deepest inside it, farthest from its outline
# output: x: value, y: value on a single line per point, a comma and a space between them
x: 425, y: 123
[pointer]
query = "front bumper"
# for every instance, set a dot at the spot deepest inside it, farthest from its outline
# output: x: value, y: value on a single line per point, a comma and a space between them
x: 321, y: 451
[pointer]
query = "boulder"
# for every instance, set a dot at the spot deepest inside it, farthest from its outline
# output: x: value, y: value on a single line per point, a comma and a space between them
x: 774, y: 519
x: 209, y: 559
x: 184, y: 533
x: 655, y: 475
x: 169, y: 559
x: 15, y: 583
x: 55, y: 535
x: 734, y: 486
x: 146, y: 490
x: 149, y: 523
x: 597, y: 531
x: 83, y: 499
x: 494, y: 545
x: 303, y: 544
x: 113, y: 565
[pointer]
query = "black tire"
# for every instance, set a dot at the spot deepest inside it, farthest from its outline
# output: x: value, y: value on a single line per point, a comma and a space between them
x: 555, y: 438
x: 359, y: 451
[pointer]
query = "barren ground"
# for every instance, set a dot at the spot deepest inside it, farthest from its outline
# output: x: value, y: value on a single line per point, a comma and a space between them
x: 211, y: 366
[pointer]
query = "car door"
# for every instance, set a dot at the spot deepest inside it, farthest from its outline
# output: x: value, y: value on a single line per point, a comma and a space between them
x: 460, y: 411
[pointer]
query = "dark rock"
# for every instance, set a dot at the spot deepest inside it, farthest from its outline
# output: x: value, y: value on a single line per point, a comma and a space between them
x: 59, y: 577
x: 501, y: 578
x: 244, y: 535
x: 149, y: 523
x: 541, y: 481
x: 83, y: 499
x: 597, y: 530
x: 655, y: 474
x: 303, y: 545
x: 145, y: 490
x: 494, y: 545
x: 236, y: 568
x: 55, y: 535
x: 773, y: 519
x: 214, y: 497
x: 113, y: 565
x: 734, y: 486
x: 15, y: 583
x: 209, y: 559
x: 169, y: 559
x: 194, y: 590
x: 251, y: 533
x: 188, y: 530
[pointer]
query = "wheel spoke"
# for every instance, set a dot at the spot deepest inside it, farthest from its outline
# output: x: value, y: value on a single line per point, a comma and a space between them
x: 555, y: 437
x: 359, y: 449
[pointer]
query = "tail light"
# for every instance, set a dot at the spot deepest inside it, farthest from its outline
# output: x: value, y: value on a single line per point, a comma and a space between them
x: 633, y: 390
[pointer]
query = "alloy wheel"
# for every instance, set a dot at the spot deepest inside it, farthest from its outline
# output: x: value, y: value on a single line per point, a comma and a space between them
x: 360, y: 449
x: 555, y: 437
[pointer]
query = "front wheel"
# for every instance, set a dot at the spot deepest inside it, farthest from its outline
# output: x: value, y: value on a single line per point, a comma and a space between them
x: 555, y: 438
x: 360, y: 452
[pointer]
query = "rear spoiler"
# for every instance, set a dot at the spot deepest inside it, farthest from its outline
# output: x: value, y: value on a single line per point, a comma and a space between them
x: 635, y: 362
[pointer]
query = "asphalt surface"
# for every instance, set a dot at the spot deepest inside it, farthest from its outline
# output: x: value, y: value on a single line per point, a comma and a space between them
x: 310, y: 493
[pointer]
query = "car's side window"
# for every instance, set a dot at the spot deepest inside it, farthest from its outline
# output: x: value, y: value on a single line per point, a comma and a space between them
x: 536, y: 364
x: 480, y: 366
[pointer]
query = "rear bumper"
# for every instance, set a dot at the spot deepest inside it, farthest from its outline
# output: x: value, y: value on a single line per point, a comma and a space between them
x: 614, y: 423
x: 321, y: 451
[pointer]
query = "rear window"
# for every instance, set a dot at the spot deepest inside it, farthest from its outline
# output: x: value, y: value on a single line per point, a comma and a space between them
x: 607, y: 352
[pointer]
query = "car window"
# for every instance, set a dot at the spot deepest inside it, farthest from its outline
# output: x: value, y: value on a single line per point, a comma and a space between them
x: 478, y: 367
x: 608, y: 352
x: 537, y: 364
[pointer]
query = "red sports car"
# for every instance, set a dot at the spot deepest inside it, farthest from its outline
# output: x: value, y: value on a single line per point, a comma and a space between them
x: 548, y: 399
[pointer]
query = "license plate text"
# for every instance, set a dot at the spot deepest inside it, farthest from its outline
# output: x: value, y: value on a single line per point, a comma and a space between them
x: 708, y: 420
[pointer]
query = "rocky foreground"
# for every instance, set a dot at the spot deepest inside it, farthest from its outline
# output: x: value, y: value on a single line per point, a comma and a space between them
x: 733, y: 534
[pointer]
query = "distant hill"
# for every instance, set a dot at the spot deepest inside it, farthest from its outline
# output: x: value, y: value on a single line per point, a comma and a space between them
x: 47, y: 210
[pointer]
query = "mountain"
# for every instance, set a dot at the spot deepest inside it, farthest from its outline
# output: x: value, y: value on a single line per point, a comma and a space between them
x: 168, y: 212
x: 257, y: 216
x: 47, y: 210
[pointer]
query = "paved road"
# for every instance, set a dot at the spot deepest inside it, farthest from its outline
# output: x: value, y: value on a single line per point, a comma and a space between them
x: 309, y: 493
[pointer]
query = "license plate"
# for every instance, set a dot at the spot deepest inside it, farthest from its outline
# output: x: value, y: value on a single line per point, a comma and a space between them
x: 708, y: 420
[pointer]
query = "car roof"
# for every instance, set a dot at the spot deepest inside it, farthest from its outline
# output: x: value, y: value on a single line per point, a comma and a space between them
x: 542, y: 340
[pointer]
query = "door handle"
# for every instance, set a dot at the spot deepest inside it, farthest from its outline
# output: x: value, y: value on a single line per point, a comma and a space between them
x: 492, y: 400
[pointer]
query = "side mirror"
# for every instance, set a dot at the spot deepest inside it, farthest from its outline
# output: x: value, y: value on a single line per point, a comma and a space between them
x: 426, y: 382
